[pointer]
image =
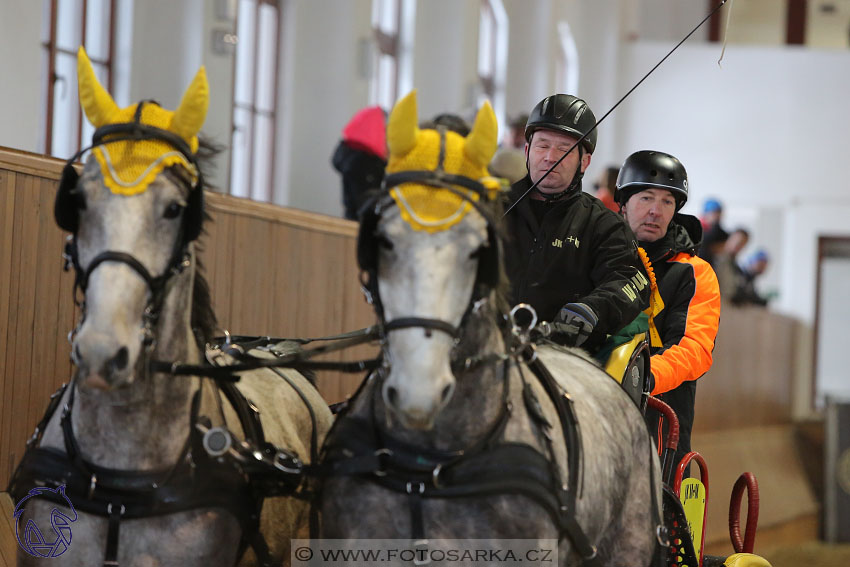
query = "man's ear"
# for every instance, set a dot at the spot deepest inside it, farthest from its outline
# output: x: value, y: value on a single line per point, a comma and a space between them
x: 585, y: 161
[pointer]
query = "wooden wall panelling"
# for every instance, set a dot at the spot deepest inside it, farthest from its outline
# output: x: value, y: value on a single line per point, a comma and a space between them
x: 251, y: 277
x: 750, y: 381
x: 8, y: 279
x: 282, y: 300
x: 46, y: 330
x: 20, y: 354
x: 218, y: 267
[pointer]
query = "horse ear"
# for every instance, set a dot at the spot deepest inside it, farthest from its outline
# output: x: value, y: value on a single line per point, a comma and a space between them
x: 190, y: 115
x: 401, y: 128
x: 482, y: 141
x: 98, y: 105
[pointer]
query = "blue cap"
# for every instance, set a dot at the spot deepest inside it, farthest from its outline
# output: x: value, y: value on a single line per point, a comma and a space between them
x: 712, y: 206
x: 759, y: 255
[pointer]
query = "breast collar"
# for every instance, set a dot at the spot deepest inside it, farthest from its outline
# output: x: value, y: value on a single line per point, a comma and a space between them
x: 195, y: 481
x: 359, y: 447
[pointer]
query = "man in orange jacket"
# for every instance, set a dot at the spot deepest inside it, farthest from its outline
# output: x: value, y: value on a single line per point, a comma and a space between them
x: 651, y: 188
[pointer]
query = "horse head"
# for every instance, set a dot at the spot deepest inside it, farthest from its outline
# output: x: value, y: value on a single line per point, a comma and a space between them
x: 426, y: 246
x: 133, y: 213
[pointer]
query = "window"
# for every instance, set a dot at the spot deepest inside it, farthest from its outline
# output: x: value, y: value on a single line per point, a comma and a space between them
x: 392, y: 26
x: 493, y: 55
x: 566, y: 71
x: 67, y: 25
x: 254, y: 99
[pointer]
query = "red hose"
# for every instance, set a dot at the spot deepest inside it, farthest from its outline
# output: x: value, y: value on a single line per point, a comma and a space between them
x: 668, y: 414
x: 672, y: 442
x: 749, y: 481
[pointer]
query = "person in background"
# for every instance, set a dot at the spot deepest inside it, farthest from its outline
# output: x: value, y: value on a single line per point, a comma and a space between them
x: 746, y: 293
x: 573, y: 260
x: 508, y: 163
x: 606, y: 186
x: 515, y: 137
x: 360, y: 157
x: 729, y: 273
x: 449, y: 121
x: 712, y: 214
x: 651, y: 189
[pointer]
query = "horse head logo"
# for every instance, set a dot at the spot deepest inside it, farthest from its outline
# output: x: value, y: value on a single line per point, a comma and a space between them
x: 30, y: 537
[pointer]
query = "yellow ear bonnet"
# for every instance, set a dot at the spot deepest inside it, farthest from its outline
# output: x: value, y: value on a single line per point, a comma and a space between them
x: 411, y: 149
x: 129, y: 166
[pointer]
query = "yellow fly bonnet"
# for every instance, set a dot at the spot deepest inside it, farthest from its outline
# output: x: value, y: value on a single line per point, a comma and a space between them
x: 130, y: 165
x: 424, y: 206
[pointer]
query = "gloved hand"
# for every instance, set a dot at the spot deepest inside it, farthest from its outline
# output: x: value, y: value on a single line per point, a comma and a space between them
x: 575, y: 321
x: 650, y: 383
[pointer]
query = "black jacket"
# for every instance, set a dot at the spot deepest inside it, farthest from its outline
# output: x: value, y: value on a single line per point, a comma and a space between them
x: 580, y: 252
x: 687, y: 324
x: 361, y: 172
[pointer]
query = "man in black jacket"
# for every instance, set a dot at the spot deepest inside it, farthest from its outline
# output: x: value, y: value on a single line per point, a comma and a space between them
x: 572, y: 259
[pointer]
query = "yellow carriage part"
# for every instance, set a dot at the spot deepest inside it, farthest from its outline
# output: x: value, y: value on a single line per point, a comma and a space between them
x: 692, y: 495
x: 746, y: 560
x: 620, y: 358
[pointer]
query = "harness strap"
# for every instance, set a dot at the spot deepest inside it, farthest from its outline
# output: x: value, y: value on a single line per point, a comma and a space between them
x: 111, y: 556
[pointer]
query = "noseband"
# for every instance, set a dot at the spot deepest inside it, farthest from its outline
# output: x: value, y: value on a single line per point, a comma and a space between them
x: 68, y: 218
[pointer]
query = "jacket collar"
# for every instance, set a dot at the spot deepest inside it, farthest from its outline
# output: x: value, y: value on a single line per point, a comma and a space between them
x: 683, y: 235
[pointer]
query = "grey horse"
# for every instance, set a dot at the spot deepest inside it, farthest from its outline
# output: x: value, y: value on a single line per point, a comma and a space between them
x: 456, y: 438
x: 133, y: 428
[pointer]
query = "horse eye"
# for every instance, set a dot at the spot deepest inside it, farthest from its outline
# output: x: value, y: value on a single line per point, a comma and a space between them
x: 173, y: 210
x: 477, y: 253
x: 384, y: 242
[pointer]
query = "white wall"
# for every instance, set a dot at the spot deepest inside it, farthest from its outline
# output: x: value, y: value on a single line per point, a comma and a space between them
x: 20, y: 75
x: 768, y: 133
x: 326, y: 86
x: 769, y: 130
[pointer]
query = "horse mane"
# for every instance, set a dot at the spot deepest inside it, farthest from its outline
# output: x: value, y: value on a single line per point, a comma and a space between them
x: 204, y: 321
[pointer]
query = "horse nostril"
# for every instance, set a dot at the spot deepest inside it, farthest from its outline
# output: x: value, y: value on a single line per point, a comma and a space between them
x: 392, y: 396
x: 77, y: 357
x: 119, y: 361
x: 447, y: 393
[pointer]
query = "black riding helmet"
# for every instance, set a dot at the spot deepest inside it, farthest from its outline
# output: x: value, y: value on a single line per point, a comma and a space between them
x: 563, y: 113
x: 648, y: 169
x: 570, y: 115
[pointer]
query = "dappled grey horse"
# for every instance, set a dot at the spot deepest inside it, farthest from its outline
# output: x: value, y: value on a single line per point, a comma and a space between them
x: 127, y: 438
x: 468, y: 431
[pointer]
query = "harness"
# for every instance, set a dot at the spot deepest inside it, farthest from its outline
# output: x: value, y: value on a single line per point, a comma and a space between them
x: 211, y: 472
x: 360, y: 447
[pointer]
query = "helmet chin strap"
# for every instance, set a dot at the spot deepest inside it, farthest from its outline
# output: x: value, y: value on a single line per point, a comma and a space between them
x: 574, y: 185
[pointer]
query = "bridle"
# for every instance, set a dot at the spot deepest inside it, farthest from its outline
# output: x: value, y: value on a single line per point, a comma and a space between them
x: 368, y: 241
x: 66, y: 212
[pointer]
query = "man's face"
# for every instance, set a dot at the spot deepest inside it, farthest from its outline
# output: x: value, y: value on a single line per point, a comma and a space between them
x: 547, y: 147
x: 649, y: 213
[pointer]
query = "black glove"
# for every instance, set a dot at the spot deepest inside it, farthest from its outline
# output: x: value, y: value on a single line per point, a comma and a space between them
x: 650, y: 383
x: 575, y: 322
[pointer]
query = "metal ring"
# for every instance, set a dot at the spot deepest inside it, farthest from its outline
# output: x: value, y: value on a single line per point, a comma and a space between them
x: 519, y: 307
x: 435, y: 476
x: 382, y: 452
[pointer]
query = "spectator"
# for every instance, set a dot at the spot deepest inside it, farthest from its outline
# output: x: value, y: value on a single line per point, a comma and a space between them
x: 729, y: 274
x: 361, y: 157
x: 712, y: 214
x: 606, y: 187
x: 515, y: 137
x: 746, y: 293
